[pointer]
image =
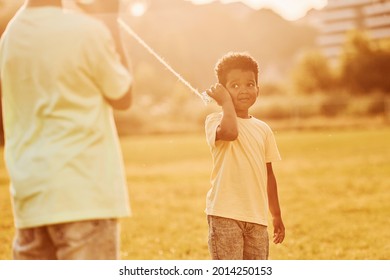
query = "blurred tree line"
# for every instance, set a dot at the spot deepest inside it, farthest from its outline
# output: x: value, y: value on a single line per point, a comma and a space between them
x: 192, y: 38
x: 363, y: 69
x: 361, y: 74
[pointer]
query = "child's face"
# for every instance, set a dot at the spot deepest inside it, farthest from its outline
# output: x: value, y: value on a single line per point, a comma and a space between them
x: 243, y: 90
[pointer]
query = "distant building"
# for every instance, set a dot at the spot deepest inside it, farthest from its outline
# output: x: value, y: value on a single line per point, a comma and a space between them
x: 341, y: 16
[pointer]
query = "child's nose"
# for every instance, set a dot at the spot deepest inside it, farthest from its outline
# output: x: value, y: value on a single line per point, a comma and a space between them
x: 244, y: 89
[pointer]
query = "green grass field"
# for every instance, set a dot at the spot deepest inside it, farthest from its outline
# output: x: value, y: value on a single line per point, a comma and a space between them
x: 334, y: 190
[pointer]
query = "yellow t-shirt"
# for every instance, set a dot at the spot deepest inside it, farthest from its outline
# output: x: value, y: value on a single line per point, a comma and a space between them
x: 239, y: 175
x: 61, y: 145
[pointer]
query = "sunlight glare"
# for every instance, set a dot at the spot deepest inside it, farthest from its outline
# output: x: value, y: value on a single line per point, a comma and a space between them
x: 138, y: 9
x: 86, y: 2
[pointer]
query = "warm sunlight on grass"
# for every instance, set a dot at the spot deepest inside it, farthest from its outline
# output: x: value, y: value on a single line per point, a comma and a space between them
x: 333, y: 188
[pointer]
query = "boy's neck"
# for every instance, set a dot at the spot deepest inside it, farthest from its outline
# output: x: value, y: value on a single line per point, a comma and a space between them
x: 243, y: 115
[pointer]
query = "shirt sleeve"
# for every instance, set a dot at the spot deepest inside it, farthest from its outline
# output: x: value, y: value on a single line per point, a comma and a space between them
x: 110, y: 75
x: 271, y: 151
x: 212, y: 122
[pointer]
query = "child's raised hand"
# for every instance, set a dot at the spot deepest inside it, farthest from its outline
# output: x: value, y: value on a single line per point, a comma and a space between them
x: 219, y: 93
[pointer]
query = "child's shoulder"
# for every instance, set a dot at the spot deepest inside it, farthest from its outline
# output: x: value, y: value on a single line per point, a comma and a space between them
x: 261, y: 123
x: 254, y: 119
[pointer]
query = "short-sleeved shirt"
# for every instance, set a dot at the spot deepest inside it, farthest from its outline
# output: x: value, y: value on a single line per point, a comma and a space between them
x: 239, y: 175
x: 62, y: 150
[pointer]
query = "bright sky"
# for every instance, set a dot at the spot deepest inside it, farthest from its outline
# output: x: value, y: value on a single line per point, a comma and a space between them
x: 289, y: 9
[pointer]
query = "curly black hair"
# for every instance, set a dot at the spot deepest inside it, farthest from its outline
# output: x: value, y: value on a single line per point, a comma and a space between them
x: 235, y: 60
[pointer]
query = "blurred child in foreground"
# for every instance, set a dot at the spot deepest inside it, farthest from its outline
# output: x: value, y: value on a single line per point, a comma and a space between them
x: 62, y: 73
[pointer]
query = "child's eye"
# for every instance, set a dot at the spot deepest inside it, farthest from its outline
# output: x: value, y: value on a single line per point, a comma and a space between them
x: 234, y: 85
x: 251, y: 84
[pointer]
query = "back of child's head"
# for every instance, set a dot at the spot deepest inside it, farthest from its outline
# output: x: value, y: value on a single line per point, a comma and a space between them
x: 235, y: 60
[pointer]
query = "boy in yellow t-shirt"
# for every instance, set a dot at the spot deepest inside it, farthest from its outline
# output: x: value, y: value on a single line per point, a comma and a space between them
x: 243, y: 185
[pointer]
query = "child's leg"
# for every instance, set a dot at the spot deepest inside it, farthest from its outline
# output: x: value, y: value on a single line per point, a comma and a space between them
x: 256, y: 242
x: 225, y: 238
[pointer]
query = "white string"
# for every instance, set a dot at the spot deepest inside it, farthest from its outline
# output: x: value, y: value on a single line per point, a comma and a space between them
x: 204, y: 96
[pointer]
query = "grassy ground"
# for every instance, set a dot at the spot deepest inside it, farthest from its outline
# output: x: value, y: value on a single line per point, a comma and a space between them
x: 334, y: 189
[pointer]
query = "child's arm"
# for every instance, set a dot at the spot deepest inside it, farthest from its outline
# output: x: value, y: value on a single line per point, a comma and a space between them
x: 273, y: 201
x: 108, y: 13
x: 227, y: 129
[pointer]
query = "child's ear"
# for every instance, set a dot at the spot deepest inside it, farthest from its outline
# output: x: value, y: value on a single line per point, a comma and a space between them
x: 258, y: 90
